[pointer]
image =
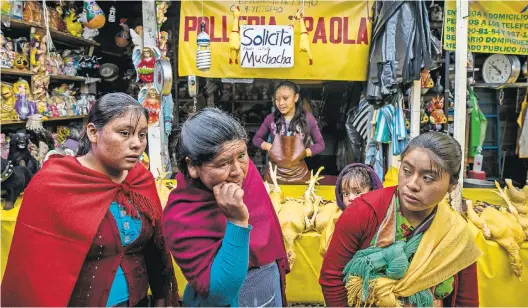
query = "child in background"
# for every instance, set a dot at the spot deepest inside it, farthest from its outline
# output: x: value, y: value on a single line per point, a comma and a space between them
x: 353, y: 181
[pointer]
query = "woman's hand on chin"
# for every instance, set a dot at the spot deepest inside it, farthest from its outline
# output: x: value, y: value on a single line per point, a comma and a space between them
x: 229, y: 197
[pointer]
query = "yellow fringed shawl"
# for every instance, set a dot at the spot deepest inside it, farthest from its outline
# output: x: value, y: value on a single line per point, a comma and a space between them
x: 446, y: 248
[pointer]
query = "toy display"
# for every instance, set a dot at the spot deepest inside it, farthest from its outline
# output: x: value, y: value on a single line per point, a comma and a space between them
x: 70, y: 68
x: 92, y: 16
x: 14, y: 180
x: 73, y: 26
x: 24, y: 105
x: 33, y: 12
x: 7, y: 102
x: 123, y: 36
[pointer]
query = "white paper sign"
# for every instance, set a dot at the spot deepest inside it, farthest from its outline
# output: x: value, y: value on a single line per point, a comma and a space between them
x: 266, y: 46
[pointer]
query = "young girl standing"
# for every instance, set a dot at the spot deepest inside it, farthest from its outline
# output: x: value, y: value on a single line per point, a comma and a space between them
x: 294, y: 135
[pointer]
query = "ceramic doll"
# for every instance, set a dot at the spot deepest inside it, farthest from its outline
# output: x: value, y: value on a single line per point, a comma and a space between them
x: 82, y: 105
x: 164, y: 38
x: 24, y: 106
x: 152, y: 104
x: 40, y: 91
x: 4, y: 56
x: 146, y: 66
x: 69, y: 103
x: 53, y: 110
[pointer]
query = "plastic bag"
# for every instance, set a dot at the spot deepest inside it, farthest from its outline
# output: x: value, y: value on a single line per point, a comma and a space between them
x: 479, y: 123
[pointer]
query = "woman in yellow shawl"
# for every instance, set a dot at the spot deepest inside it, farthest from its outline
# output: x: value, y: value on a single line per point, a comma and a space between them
x: 404, y: 245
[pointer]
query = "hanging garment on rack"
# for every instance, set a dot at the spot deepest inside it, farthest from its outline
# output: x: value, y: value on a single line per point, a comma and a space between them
x: 479, y: 124
x: 361, y: 118
x: 374, y: 158
x: 390, y: 126
x: 401, y: 43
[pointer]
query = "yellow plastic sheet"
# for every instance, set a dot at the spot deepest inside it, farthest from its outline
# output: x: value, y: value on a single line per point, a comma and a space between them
x: 497, y: 284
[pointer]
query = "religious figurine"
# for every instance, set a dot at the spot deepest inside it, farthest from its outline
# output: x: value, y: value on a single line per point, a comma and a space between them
x: 145, y: 67
x: 163, y: 39
x: 24, y: 106
x: 152, y: 104
x: 7, y: 102
x: 38, y: 51
x: 161, y: 10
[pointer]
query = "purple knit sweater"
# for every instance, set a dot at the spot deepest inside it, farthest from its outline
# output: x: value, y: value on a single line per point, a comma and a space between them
x: 268, y: 128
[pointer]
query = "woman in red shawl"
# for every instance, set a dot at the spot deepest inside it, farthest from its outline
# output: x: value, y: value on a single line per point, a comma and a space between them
x: 89, y: 228
x: 219, y: 222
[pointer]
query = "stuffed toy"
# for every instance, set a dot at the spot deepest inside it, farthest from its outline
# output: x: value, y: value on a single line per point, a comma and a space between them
x: 19, y: 153
x: 14, y: 181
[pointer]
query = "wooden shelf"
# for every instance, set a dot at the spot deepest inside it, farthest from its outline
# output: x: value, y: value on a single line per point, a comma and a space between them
x: 48, y: 120
x: 500, y: 85
x: 56, y: 35
x: 15, y: 72
x: 67, y: 77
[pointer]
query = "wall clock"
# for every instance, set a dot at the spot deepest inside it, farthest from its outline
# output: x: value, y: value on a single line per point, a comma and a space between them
x: 499, y: 68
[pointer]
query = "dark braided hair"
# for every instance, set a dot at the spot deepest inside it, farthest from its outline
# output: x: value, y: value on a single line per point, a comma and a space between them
x: 298, y: 122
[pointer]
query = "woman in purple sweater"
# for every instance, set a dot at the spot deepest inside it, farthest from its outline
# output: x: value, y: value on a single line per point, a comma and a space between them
x: 294, y: 135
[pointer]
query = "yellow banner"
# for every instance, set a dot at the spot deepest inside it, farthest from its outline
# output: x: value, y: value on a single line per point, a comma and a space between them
x: 493, y: 27
x: 339, y: 33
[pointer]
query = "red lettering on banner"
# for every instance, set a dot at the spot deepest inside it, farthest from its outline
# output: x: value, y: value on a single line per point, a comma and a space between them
x: 320, y: 31
x: 253, y: 20
x: 224, y: 29
x: 191, y: 24
x: 211, y: 25
x: 346, y: 38
x: 339, y: 31
x: 362, y: 34
x: 308, y: 21
x: 335, y: 38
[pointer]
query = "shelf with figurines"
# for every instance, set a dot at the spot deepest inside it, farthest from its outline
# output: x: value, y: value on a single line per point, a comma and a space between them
x: 65, y: 25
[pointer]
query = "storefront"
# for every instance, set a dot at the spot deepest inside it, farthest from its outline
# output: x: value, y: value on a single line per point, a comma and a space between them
x: 232, y: 55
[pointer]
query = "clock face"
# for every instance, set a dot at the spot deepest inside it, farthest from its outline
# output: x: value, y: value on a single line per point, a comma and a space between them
x: 497, y: 69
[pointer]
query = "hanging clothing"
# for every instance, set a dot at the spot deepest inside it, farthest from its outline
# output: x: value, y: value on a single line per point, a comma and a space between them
x: 479, y: 124
x: 390, y: 126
